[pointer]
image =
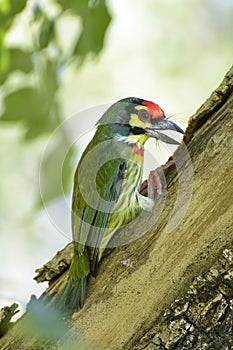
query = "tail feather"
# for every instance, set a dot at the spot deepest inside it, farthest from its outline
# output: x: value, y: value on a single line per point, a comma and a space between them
x: 73, y: 295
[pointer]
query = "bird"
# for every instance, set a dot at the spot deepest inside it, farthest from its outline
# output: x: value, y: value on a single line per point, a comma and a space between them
x: 107, y: 192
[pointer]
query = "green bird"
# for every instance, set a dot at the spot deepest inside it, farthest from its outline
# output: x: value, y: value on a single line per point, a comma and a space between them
x: 107, y: 182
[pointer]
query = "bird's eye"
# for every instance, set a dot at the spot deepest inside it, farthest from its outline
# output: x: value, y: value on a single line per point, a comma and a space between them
x: 143, y: 115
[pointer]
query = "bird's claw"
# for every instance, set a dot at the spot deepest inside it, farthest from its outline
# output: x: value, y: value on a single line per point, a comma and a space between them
x: 155, y: 183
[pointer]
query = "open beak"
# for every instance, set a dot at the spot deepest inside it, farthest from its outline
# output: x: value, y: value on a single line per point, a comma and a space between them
x: 164, y: 124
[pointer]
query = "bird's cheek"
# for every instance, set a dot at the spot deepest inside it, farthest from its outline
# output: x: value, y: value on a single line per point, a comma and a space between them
x: 136, y: 122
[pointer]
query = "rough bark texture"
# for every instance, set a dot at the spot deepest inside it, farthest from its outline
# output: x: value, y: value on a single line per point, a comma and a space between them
x: 144, y: 296
x: 201, y: 319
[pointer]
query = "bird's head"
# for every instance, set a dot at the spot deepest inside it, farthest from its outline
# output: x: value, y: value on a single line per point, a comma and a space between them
x: 140, y: 119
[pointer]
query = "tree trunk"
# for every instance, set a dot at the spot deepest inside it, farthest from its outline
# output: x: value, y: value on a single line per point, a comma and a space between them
x: 144, y: 296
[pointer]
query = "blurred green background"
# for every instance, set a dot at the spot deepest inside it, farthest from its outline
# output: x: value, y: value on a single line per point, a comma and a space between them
x: 60, y: 57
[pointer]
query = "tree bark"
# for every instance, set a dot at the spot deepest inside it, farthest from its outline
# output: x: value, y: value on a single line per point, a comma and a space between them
x: 144, y: 296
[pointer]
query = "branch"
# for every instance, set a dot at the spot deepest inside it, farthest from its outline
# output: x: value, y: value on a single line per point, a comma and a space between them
x: 138, y: 282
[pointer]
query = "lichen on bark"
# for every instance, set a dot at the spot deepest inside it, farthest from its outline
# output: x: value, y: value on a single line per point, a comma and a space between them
x: 202, y: 318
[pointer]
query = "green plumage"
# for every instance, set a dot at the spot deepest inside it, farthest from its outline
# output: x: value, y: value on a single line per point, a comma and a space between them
x: 105, y: 195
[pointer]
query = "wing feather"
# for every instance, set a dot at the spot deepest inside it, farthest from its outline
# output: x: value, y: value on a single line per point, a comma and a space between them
x: 89, y: 224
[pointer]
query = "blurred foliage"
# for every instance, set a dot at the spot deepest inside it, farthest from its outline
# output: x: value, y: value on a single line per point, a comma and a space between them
x: 31, y: 74
x: 43, y: 326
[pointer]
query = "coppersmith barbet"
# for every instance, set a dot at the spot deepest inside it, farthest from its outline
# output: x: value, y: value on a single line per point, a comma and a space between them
x: 106, y: 191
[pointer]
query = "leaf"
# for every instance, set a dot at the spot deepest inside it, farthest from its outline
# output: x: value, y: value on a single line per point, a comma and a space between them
x: 21, y: 60
x: 73, y: 4
x: 17, y: 59
x: 23, y: 105
x: 30, y: 107
x: 47, y: 33
x: 37, y: 11
x: 95, y: 23
x: 36, y: 108
x: 95, y: 19
x: 16, y: 6
x: 8, y: 10
x: 42, y: 323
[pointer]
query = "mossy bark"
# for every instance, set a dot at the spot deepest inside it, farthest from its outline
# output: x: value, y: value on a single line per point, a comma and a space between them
x: 131, y: 304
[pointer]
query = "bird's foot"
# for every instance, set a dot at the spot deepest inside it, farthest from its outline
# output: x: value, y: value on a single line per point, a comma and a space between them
x: 155, y: 183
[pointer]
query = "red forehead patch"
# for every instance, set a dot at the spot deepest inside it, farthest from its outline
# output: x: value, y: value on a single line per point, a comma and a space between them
x: 154, y: 109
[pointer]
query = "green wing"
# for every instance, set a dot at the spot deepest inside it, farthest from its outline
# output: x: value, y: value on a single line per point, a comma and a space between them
x: 95, y: 194
x: 91, y: 216
x: 105, y: 197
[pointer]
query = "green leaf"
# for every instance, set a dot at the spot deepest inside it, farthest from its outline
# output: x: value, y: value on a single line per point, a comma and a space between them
x: 16, y: 6
x: 21, y: 60
x: 37, y: 12
x: 49, y: 78
x: 8, y: 10
x: 16, y: 60
x: 42, y: 322
x: 4, y: 6
x: 95, y: 20
x: 95, y: 23
x: 23, y: 105
x: 73, y: 4
x: 37, y: 107
x: 47, y: 33
x: 30, y: 107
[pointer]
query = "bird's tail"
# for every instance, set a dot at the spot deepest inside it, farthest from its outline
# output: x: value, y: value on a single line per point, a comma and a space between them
x: 73, y: 294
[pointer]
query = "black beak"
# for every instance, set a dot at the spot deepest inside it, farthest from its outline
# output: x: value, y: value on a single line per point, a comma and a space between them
x: 164, y: 124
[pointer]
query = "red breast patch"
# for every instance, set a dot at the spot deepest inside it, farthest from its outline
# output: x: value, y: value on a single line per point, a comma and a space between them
x: 139, y: 150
